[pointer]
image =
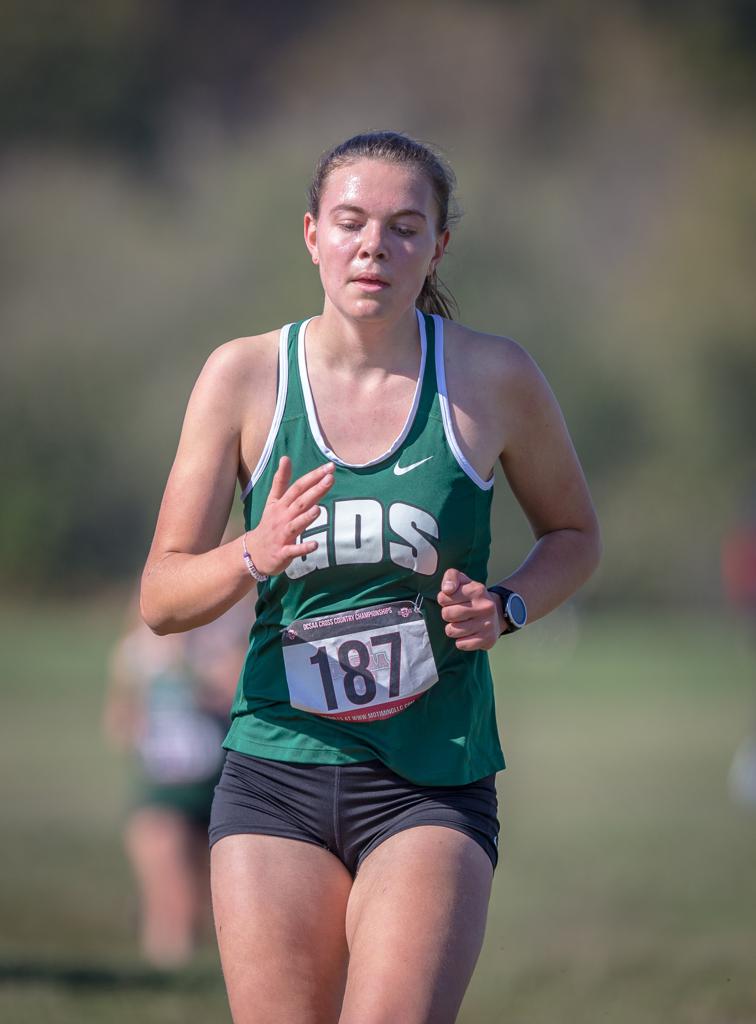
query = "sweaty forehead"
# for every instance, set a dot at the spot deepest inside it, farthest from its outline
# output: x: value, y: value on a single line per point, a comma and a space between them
x: 377, y: 183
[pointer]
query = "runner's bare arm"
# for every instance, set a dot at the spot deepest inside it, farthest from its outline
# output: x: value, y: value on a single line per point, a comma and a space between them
x: 547, y: 480
x: 546, y: 477
x: 189, y: 579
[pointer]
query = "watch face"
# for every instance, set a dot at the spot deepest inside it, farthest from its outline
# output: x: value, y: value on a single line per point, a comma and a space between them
x: 516, y: 611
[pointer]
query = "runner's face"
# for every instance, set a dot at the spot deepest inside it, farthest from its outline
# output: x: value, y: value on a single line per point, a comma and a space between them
x: 376, y: 237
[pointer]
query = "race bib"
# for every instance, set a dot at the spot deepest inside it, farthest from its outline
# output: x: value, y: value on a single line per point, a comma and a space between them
x: 360, y: 666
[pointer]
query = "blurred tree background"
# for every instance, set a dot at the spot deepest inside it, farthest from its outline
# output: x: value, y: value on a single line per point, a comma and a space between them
x: 152, y: 181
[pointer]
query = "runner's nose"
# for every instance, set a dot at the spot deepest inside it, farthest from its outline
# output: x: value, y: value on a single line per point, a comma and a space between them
x: 372, y: 242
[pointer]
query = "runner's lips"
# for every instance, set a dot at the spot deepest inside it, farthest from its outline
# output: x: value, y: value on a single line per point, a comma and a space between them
x: 370, y: 279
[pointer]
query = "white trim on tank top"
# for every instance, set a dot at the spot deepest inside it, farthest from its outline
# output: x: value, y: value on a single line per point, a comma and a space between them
x: 443, y: 398
x: 283, y: 381
x: 312, y: 417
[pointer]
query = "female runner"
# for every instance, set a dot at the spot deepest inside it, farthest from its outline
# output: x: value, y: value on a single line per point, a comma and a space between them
x: 354, y: 828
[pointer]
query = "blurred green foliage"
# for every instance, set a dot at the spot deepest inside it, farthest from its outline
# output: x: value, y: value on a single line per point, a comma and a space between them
x: 151, y: 193
x: 118, y: 73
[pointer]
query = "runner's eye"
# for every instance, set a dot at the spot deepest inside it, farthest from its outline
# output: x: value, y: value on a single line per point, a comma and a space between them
x: 404, y: 231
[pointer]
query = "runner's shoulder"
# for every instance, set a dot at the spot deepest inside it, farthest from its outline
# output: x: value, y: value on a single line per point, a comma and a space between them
x: 242, y: 366
x: 498, y: 359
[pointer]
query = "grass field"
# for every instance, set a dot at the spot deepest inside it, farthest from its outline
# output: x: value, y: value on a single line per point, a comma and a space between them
x: 626, y: 891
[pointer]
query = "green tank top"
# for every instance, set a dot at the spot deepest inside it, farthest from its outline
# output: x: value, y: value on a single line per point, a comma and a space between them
x: 348, y: 659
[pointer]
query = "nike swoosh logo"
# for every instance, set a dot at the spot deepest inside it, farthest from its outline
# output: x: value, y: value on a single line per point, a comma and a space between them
x: 401, y: 470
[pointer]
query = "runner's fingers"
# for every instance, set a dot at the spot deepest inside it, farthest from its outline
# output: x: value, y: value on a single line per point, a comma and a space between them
x: 453, y: 579
x: 467, y: 591
x: 322, y: 475
x: 281, y: 478
x: 291, y: 551
x: 456, y: 630
x: 473, y: 643
x: 470, y: 627
x: 301, y: 522
x: 471, y: 592
x: 311, y: 496
x: 457, y: 612
x: 471, y: 595
x: 447, y: 600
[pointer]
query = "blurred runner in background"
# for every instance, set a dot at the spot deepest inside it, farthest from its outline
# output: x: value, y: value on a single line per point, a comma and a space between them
x: 739, y: 581
x: 168, y: 703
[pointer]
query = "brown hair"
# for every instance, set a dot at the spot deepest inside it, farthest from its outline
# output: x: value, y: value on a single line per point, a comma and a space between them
x: 396, y: 147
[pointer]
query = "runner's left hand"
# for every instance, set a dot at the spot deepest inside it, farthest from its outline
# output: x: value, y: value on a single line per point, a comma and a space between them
x: 471, y: 614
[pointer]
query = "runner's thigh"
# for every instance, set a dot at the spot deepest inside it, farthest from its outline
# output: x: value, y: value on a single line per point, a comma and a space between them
x: 279, y: 907
x: 415, y: 925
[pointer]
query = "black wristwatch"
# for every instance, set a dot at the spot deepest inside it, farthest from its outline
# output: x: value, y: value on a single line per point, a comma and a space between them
x: 515, y: 609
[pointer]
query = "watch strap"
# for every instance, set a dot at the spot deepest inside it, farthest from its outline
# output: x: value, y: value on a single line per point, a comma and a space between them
x: 505, y: 594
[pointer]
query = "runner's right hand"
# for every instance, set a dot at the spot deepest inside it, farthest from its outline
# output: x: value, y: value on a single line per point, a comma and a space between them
x: 290, y: 509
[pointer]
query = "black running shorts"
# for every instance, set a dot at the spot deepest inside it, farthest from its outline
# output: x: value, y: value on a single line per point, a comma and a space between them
x: 347, y: 809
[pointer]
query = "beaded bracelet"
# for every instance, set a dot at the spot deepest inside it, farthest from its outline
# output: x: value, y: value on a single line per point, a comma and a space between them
x: 261, y: 577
